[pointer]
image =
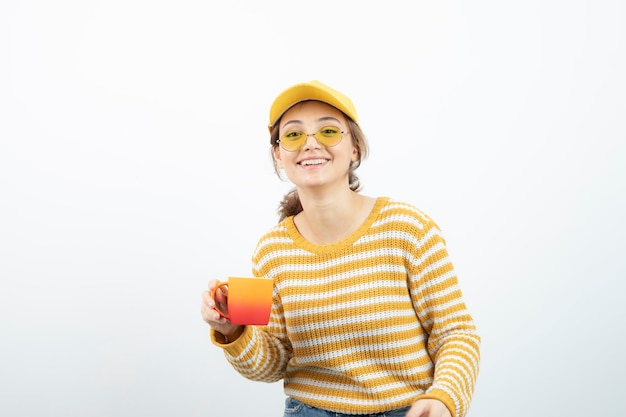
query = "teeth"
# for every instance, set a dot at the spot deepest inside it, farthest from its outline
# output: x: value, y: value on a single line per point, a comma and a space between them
x: 313, y: 162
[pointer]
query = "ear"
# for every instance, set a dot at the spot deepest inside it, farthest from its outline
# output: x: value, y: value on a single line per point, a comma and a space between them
x: 355, y: 154
x: 279, y: 161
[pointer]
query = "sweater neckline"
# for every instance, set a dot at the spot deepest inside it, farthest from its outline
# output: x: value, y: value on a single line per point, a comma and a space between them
x: 303, y: 243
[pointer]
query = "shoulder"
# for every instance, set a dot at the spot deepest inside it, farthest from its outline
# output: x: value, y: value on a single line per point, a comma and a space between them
x: 278, y: 238
x: 402, y: 212
x: 407, y: 222
x: 275, y: 233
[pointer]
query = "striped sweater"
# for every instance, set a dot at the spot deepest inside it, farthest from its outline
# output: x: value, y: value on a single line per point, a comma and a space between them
x: 365, y: 325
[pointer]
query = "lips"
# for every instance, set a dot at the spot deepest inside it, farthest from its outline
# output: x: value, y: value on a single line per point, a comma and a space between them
x: 312, y: 162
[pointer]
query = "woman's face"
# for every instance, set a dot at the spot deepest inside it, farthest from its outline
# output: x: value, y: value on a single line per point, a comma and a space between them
x: 315, y: 165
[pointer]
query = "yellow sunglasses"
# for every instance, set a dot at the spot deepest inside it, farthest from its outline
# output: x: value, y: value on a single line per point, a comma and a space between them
x: 294, y: 140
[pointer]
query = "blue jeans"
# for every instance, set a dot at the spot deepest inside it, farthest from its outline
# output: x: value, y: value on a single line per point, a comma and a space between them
x: 295, y: 408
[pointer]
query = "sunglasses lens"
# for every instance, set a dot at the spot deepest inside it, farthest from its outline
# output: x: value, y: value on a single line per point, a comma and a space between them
x: 329, y: 135
x: 293, y: 140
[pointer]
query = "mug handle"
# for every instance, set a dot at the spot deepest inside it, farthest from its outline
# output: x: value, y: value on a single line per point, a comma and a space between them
x: 218, y: 286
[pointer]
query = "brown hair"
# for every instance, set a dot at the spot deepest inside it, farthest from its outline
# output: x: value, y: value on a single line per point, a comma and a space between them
x: 290, y: 204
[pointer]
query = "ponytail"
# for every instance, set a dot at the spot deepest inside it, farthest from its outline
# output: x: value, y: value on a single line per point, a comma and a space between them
x: 289, y: 206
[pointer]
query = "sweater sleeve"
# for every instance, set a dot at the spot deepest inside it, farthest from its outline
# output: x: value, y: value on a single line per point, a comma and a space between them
x: 453, y: 342
x: 260, y: 353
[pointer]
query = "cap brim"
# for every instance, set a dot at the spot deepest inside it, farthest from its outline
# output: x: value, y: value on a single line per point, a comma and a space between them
x: 313, y: 90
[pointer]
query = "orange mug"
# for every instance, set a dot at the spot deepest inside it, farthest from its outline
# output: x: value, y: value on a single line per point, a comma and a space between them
x: 249, y: 300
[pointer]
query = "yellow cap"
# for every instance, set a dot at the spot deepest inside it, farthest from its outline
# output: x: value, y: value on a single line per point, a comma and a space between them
x: 313, y: 90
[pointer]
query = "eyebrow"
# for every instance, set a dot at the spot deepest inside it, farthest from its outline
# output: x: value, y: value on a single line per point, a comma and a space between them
x: 321, y: 119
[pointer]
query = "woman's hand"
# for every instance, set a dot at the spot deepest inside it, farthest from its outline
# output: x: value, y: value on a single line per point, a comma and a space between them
x: 218, y: 323
x: 428, y: 407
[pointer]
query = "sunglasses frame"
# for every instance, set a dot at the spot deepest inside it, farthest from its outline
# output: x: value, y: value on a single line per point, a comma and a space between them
x: 321, y: 139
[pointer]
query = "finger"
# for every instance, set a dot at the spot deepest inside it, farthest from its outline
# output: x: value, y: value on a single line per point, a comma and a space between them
x: 217, y: 317
x: 206, y: 314
x: 220, y: 308
x: 207, y: 300
x: 221, y: 296
x: 211, y: 316
x: 206, y: 309
x: 417, y: 410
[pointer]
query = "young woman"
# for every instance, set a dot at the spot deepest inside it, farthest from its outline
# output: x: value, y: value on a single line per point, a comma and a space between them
x: 367, y: 316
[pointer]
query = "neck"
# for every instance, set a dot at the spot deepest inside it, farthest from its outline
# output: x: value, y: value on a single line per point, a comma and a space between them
x: 331, y: 217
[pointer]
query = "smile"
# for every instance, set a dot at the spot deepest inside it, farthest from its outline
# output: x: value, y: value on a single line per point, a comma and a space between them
x: 310, y: 162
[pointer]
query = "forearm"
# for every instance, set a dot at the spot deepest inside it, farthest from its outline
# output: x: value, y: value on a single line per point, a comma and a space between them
x: 453, y: 342
x: 456, y: 369
x: 255, y: 354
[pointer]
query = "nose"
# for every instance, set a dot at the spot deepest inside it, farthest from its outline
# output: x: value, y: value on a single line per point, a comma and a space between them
x: 311, y: 142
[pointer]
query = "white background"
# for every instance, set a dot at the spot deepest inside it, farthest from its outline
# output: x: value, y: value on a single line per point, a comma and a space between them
x: 134, y: 166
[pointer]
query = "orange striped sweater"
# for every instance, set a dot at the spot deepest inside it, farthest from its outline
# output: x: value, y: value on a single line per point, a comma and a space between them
x: 369, y: 324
